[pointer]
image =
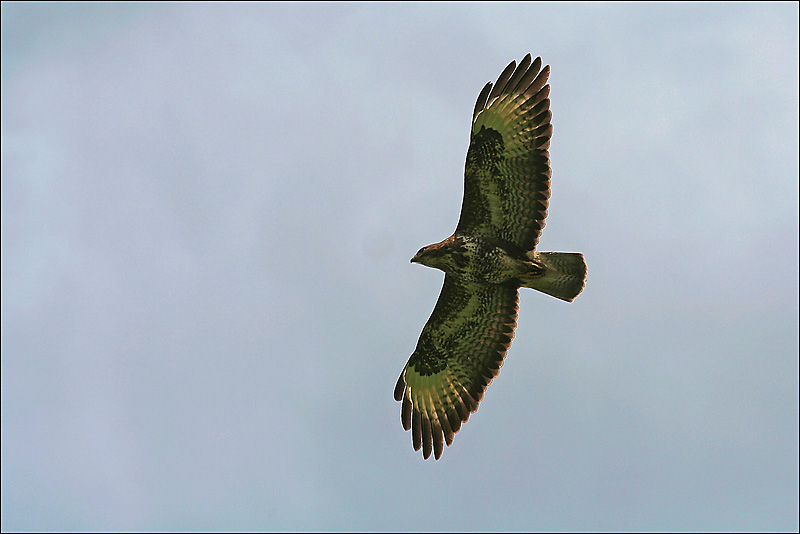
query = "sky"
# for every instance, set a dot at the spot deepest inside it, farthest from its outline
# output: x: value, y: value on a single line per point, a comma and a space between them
x: 208, y: 212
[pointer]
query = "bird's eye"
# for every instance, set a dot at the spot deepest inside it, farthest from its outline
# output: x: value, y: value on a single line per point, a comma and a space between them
x: 420, y: 251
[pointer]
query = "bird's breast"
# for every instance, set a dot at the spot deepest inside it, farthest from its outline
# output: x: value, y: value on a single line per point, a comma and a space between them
x: 476, y: 260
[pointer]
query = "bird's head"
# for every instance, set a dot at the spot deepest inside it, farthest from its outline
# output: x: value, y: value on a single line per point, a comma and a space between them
x: 433, y: 255
x: 420, y: 256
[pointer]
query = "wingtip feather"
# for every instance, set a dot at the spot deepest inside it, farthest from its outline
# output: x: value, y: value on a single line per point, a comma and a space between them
x: 416, y: 430
x: 400, y: 387
x: 427, y: 438
x: 481, y: 102
x: 405, y: 413
x: 502, y: 80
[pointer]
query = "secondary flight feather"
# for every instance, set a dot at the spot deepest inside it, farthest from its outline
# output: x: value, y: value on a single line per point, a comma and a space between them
x: 488, y: 258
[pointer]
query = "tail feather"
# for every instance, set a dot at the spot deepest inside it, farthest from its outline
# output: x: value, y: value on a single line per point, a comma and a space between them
x: 563, y: 274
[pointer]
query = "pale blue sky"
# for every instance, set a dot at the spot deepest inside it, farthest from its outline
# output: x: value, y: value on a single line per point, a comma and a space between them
x: 207, y: 216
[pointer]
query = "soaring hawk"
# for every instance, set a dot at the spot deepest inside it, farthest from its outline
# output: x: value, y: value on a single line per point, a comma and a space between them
x: 487, y: 259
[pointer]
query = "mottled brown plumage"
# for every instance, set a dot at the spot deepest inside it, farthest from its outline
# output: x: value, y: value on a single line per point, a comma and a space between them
x: 489, y: 256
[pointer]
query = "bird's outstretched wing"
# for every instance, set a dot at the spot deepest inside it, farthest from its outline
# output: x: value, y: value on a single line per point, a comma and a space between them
x: 459, y: 352
x: 507, y: 173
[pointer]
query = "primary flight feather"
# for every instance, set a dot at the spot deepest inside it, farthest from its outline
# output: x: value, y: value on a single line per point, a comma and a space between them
x: 488, y: 258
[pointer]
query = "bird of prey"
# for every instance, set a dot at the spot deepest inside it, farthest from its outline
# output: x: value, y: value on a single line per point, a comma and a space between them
x: 488, y: 258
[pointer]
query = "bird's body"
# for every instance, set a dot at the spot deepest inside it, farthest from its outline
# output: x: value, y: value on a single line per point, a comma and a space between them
x: 476, y: 259
x: 487, y: 259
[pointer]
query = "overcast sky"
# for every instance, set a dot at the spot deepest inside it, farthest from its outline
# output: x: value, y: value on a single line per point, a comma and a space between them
x: 207, y: 216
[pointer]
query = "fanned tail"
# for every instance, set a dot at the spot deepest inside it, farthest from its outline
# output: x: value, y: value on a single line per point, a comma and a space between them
x: 560, y: 274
